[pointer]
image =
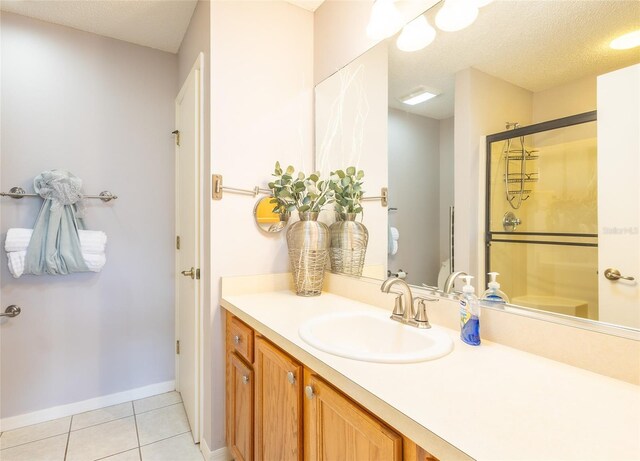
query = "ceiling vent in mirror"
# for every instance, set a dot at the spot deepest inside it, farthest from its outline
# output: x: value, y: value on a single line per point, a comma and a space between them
x: 416, y: 97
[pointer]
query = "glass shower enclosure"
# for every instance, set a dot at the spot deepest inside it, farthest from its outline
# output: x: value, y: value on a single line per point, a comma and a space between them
x: 541, y: 208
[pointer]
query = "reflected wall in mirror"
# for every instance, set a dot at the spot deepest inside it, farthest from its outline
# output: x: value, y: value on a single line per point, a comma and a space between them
x: 487, y: 78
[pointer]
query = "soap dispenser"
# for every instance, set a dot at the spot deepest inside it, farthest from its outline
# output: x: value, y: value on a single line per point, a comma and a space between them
x: 469, y: 314
x: 494, y: 295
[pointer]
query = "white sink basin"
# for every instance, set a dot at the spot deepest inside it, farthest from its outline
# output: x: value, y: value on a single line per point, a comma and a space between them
x: 374, y: 337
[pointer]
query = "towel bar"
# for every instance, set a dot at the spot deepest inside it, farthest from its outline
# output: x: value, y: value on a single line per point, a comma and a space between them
x: 19, y: 192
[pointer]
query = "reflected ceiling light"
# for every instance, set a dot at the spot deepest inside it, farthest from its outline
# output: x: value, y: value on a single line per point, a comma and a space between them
x: 456, y: 15
x: 416, y: 35
x: 626, y: 41
x: 385, y: 20
x: 417, y: 97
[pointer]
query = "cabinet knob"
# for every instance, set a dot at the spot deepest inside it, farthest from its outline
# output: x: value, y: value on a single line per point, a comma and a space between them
x: 245, y: 379
x: 291, y: 377
x: 308, y: 391
x: 236, y: 339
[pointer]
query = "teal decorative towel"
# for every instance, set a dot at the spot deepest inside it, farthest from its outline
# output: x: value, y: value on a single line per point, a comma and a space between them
x: 54, y: 247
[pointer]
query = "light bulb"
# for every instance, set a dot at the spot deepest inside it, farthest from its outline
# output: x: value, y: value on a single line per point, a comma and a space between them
x: 385, y: 20
x: 456, y: 15
x: 626, y: 41
x: 416, y: 35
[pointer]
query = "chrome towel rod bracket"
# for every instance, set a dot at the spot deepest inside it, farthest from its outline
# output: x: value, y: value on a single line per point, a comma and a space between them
x: 19, y: 192
x: 383, y: 197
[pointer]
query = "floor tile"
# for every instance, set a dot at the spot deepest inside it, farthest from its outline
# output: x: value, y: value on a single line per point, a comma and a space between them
x: 102, y: 440
x: 162, y: 423
x: 131, y: 455
x: 103, y: 415
x: 51, y: 449
x: 157, y: 401
x: 179, y: 448
x: 35, y: 432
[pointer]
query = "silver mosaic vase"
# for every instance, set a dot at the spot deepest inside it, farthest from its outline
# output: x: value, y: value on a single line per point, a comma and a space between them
x: 308, y: 242
x: 349, y: 240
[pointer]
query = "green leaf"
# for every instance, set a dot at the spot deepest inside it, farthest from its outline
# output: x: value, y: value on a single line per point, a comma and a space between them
x: 271, y: 185
x: 290, y: 170
x: 346, y: 181
x: 360, y: 174
x: 304, y: 208
x: 340, y: 174
x: 301, y: 176
x: 351, y: 170
x: 306, y: 200
x: 313, y: 177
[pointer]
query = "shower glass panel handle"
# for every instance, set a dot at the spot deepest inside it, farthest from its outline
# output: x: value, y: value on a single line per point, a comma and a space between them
x: 11, y: 311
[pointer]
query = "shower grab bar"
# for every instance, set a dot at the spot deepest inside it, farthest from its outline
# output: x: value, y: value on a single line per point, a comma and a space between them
x: 19, y: 192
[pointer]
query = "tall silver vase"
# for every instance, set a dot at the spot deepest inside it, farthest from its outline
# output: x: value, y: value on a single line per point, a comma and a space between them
x: 308, y: 242
x: 349, y: 240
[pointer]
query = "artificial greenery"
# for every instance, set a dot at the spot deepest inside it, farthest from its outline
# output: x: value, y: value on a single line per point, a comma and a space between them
x: 291, y: 192
x: 347, y: 186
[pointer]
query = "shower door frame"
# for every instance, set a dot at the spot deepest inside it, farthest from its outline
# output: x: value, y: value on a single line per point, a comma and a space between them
x: 563, y: 122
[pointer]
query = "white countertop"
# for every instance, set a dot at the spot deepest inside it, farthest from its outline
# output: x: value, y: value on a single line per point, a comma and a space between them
x: 489, y: 402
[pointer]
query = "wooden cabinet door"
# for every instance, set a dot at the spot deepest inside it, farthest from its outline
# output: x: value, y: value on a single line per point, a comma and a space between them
x: 278, y: 404
x: 336, y: 429
x: 240, y: 409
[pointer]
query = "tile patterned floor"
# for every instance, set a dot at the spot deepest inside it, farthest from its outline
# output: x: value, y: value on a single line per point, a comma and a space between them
x: 151, y: 429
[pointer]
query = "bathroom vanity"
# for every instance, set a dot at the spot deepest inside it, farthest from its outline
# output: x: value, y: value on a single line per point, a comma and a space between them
x: 289, y: 400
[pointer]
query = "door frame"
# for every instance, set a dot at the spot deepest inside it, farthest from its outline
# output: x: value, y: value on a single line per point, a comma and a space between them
x: 196, y: 69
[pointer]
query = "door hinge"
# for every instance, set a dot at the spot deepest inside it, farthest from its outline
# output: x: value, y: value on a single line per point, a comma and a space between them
x: 178, y: 347
x: 197, y: 274
x: 177, y: 133
x: 177, y: 242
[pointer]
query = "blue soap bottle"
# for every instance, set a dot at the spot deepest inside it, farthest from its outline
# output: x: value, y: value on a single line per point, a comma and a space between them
x: 469, y: 314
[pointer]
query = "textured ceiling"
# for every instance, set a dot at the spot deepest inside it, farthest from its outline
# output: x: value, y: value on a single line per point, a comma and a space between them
x: 310, y: 5
x: 159, y: 24
x: 534, y: 44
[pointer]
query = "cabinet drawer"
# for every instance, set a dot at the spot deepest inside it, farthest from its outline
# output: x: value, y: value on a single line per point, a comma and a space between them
x: 241, y: 339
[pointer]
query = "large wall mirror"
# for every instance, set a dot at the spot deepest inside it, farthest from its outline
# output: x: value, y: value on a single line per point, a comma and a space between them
x: 525, y: 162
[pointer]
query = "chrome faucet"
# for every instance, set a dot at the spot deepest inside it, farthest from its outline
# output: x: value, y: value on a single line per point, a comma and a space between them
x: 451, y: 280
x: 403, y: 310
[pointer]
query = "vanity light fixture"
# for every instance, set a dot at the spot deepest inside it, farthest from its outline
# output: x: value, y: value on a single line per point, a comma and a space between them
x: 626, y: 41
x: 455, y: 15
x: 417, y: 97
x: 385, y: 20
x: 416, y: 35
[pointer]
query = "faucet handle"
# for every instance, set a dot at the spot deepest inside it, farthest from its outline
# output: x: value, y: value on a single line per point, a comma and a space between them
x: 421, y: 315
x: 398, y: 308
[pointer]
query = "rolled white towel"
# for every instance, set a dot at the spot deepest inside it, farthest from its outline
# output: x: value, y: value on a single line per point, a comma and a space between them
x: 94, y: 262
x: 91, y: 242
x: 395, y: 235
x: 16, y: 262
x: 394, y: 250
x: 17, y: 239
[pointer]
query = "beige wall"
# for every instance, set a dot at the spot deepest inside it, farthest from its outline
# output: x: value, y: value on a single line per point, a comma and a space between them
x: 351, y: 130
x: 483, y: 104
x: 103, y: 109
x: 262, y: 111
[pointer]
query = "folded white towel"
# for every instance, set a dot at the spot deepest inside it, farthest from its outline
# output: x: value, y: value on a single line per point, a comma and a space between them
x: 17, y: 239
x: 395, y: 235
x: 394, y: 248
x: 91, y: 242
x: 95, y: 262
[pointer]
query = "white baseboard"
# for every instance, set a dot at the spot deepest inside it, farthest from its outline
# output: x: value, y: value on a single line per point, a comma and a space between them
x: 221, y: 454
x: 14, y: 422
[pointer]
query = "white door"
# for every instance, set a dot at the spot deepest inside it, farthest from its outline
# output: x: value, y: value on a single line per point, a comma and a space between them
x: 619, y: 196
x: 188, y: 246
